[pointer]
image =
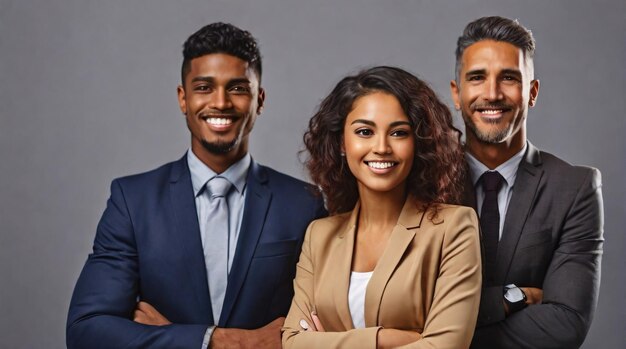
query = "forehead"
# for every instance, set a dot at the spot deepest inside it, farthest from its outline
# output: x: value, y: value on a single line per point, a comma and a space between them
x: 487, y: 54
x: 379, y: 107
x: 221, y: 66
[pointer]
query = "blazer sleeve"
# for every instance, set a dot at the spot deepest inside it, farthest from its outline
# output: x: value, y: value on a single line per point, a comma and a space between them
x: 105, y: 296
x: 571, y: 284
x: 302, y: 305
x: 452, y: 317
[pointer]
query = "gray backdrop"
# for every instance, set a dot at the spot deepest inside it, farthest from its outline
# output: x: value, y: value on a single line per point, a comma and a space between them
x: 88, y: 93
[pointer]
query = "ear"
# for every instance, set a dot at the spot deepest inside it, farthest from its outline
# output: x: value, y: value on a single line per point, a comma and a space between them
x: 454, y: 92
x: 260, y: 101
x: 182, y: 103
x: 534, y: 92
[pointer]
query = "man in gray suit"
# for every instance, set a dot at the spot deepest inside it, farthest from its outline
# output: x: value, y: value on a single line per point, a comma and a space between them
x: 541, y: 218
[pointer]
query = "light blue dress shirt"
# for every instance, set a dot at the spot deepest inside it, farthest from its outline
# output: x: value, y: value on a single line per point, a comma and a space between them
x: 508, y: 170
x: 236, y: 174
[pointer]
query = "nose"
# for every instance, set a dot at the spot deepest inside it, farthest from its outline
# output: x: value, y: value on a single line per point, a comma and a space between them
x: 493, y: 91
x: 221, y: 99
x: 381, y: 146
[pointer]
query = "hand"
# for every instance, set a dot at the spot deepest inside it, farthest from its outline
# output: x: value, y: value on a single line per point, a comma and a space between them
x: 317, y: 324
x: 266, y: 337
x: 391, y: 338
x: 533, y: 295
x: 148, y: 315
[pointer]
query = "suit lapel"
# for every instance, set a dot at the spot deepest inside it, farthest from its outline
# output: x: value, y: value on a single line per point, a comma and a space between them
x: 187, y: 231
x: 341, y: 272
x: 401, y: 237
x: 527, y: 181
x: 258, y: 197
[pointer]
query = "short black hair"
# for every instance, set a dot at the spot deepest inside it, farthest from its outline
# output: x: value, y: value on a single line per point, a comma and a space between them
x: 221, y: 38
x: 498, y: 29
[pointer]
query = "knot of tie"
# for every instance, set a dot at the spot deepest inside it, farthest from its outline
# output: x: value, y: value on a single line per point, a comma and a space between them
x: 492, y: 180
x: 218, y: 187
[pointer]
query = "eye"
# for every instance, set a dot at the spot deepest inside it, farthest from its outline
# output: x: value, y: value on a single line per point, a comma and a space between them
x: 240, y: 89
x: 202, y: 88
x: 401, y: 133
x: 510, y: 78
x: 364, y: 132
x: 475, y: 78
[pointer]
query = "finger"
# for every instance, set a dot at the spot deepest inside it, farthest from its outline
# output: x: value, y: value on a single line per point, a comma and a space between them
x: 139, y: 316
x: 316, y: 322
x: 145, y: 307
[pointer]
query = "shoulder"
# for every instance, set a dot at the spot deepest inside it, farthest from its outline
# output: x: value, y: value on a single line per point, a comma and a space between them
x: 454, y: 221
x: 325, y: 229
x: 152, y: 180
x: 563, y: 174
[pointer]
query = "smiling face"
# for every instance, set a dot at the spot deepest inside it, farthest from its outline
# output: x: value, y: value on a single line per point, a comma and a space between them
x: 378, y: 143
x: 221, y: 99
x: 494, y: 91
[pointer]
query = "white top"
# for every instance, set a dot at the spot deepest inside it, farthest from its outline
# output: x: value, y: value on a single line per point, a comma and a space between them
x: 356, y: 297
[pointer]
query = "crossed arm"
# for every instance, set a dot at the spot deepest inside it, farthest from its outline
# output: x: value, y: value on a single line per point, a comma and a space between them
x: 570, y: 289
x: 452, y: 314
x: 104, y: 312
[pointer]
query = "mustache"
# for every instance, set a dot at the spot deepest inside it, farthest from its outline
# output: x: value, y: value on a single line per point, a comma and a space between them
x: 217, y: 114
x: 491, y: 105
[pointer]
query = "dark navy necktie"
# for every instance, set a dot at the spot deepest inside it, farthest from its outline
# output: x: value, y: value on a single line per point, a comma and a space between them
x: 490, y: 221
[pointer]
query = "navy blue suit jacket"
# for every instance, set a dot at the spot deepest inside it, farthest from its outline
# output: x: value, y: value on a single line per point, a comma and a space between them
x: 148, y: 247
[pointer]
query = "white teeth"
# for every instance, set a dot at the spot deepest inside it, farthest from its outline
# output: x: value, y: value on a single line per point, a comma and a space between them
x: 219, y: 121
x: 491, y: 111
x: 380, y: 165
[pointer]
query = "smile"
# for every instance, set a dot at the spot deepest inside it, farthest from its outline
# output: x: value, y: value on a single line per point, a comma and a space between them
x: 380, y: 165
x: 491, y: 111
x: 219, y: 121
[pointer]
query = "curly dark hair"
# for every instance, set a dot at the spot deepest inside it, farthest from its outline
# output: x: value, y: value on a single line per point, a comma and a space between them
x: 221, y: 38
x: 438, y: 169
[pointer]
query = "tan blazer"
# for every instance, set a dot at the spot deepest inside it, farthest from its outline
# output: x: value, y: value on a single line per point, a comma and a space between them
x: 428, y: 280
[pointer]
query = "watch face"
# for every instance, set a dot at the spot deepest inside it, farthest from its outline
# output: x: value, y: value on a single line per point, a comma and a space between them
x: 514, y: 295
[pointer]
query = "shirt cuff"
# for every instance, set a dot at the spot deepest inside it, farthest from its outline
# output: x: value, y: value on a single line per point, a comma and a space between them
x: 207, y: 337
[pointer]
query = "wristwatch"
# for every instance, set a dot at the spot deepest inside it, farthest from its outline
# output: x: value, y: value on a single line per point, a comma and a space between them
x: 514, y: 297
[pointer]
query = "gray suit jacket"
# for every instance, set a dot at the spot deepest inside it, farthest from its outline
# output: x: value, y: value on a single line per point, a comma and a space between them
x: 552, y: 239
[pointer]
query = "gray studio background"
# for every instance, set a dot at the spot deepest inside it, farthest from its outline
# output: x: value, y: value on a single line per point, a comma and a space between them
x: 88, y: 93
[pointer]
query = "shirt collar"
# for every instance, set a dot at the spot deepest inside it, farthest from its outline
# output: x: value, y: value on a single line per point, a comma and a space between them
x: 507, y: 169
x: 200, y: 173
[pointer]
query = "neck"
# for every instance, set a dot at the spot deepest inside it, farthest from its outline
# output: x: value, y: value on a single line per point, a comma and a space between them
x: 381, y: 209
x: 493, y: 155
x: 219, y: 163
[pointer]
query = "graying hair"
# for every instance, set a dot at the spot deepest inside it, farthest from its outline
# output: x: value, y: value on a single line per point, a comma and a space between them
x: 498, y: 29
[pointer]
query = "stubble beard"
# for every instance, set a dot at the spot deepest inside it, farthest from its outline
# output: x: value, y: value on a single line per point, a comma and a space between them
x: 220, y: 147
x: 491, y: 136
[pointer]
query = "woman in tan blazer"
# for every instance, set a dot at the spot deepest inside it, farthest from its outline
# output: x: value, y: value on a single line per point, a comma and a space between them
x: 393, y: 265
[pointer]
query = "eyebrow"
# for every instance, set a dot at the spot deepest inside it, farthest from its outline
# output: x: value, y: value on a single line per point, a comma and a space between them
x: 212, y: 80
x: 484, y: 71
x: 373, y: 124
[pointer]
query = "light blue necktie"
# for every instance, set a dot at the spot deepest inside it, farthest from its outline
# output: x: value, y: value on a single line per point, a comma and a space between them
x: 216, y: 243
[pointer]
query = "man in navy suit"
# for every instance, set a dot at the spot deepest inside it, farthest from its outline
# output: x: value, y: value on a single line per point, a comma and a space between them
x: 176, y: 264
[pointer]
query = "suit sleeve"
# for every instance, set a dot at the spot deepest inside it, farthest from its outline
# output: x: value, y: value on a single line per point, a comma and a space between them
x: 452, y: 317
x: 104, y: 299
x: 570, y: 288
x: 302, y: 305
